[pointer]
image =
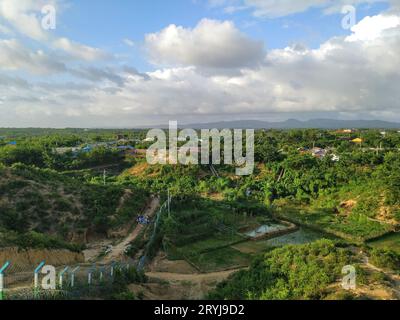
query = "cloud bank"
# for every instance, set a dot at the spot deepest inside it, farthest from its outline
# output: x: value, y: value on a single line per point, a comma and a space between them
x: 212, y: 71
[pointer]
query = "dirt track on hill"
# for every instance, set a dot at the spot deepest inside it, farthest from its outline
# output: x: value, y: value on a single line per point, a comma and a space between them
x: 119, y: 249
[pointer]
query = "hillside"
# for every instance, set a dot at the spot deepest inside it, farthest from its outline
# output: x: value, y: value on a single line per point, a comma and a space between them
x: 310, y: 272
x: 216, y: 221
x: 41, y: 207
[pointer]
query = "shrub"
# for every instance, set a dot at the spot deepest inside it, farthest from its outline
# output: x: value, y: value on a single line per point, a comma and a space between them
x: 385, y: 258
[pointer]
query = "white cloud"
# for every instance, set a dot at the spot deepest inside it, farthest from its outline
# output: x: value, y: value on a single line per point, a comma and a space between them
x: 80, y: 51
x: 281, y: 8
x: 211, y: 44
x: 341, y: 77
x: 353, y: 75
x: 25, y: 17
x: 129, y: 42
x: 98, y: 75
x: 371, y: 28
x: 14, y: 56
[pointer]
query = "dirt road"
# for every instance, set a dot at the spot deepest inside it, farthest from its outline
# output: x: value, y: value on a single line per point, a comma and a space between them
x: 118, y: 250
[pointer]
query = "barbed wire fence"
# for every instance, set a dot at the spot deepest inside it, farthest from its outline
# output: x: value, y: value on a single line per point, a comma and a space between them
x: 22, y: 283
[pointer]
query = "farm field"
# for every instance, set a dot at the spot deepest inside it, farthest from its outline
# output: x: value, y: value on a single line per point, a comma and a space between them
x: 356, y: 227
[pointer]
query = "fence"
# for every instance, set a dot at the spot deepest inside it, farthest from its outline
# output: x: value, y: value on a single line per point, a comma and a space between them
x: 61, y: 282
x: 150, y: 247
x: 20, y: 282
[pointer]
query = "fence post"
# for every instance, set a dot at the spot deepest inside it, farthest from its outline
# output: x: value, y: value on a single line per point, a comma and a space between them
x: 2, y: 270
x: 73, y: 276
x: 61, y: 277
x: 112, y: 269
x: 90, y: 272
x: 36, y: 274
x: 102, y: 269
x: 36, y: 277
x: 1, y: 285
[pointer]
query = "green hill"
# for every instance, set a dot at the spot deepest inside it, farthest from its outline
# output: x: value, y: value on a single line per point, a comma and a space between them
x: 39, y: 204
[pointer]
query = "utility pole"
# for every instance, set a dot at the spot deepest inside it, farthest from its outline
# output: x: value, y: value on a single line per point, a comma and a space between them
x: 104, y: 177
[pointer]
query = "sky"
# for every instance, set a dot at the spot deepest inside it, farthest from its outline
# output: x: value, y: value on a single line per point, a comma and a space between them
x: 120, y: 63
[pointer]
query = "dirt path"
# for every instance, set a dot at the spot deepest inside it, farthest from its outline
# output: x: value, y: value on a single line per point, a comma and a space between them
x: 394, y: 278
x: 182, y: 286
x: 94, y: 250
x: 212, y: 276
x: 125, y: 197
x: 119, y: 249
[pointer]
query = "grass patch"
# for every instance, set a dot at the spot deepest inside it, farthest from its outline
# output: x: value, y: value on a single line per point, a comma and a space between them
x: 222, y: 259
x: 354, y: 227
x: 390, y: 241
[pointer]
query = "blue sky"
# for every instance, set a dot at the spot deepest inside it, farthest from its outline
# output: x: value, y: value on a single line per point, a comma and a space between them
x: 106, y: 23
x: 125, y: 63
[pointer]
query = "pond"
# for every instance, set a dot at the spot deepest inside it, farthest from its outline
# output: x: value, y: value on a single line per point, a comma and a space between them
x: 302, y: 236
x: 265, y: 229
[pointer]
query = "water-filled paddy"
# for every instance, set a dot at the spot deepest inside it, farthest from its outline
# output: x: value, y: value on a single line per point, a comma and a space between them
x: 265, y: 229
x: 302, y: 236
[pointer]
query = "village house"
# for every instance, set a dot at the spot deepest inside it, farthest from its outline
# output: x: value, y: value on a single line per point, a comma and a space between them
x: 318, y: 152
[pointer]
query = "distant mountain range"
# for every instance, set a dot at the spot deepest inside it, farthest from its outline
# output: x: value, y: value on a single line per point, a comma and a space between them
x: 297, y: 124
